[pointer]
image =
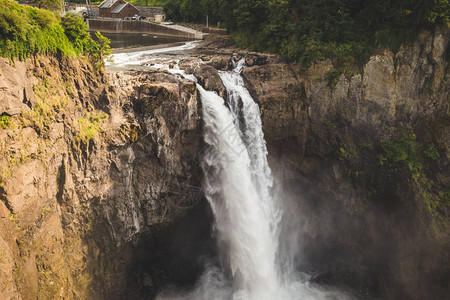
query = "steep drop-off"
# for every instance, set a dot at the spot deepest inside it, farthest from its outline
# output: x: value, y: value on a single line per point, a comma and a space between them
x: 362, y: 161
x: 94, y: 169
x: 100, y: 173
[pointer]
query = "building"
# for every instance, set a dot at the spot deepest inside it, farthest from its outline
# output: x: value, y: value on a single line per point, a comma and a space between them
x: 124, y: 10
x: 105, y: 8
x: 117, y: 9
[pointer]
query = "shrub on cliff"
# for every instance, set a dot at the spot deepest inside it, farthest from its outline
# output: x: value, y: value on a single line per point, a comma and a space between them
x: 25, y: 31
x: 77, y: 32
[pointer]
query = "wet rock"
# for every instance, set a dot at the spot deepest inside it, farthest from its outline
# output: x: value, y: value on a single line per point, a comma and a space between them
x: 213, y: 42
x: 209, y: 78
x: 256, y: 60
x: 281, y: 97
x: 223, y: 63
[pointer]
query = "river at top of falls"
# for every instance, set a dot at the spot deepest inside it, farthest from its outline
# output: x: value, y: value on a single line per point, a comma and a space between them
x: 133, y: 59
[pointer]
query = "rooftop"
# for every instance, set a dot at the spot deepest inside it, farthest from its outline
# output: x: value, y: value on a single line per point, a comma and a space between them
x: 107, y: 3
x: 119, y: 8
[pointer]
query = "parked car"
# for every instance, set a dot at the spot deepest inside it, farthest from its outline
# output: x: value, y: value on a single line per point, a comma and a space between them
x: 137, y: 17
x: 88, y: 14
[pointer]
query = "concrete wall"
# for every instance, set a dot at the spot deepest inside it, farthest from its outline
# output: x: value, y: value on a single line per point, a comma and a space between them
x: 150, y: 11
x: 216, y: 31
x: 136, y: 26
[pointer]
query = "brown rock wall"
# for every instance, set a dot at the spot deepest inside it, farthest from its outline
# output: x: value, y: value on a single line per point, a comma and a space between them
x: 370, y: 220
x: 87, y: 172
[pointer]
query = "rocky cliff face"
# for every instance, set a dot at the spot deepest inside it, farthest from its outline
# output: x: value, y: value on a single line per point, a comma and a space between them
x: 92, y: 165
x: 354, y: 157
x: 40, y: 231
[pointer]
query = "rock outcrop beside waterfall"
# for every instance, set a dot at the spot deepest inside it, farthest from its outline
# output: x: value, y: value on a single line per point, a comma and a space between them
x: 90, y: 166
x: 351, y: 157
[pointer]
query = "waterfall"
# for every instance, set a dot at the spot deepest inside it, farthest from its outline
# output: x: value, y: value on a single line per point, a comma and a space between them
x: 239, y: 199
x: 237, y: 184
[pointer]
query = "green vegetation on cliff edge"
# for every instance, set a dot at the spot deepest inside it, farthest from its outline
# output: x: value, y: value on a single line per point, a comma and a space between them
x: 25, y: 31
x: 431, y: 182
x: 304, y: 31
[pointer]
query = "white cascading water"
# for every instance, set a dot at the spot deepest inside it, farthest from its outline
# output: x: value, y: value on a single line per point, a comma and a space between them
x: 237, y: 197
x: 238, y: 184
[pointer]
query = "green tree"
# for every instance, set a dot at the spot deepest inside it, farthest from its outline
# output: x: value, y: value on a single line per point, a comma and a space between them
x: 301, y: 30
x: 250, y: 14
x: 190, y: 10
x: 77, y: 32
x: 103, y: 45
x: 172, y: 9
x: 12, y: 25
x: 440, y: 12
x: 49, y: 4
x: 26, y: 31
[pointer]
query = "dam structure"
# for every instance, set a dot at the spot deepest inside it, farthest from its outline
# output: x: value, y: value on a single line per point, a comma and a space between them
x: 142, y: 26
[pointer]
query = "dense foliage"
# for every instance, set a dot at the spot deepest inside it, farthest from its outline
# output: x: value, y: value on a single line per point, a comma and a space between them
x: 307, y: 30
x: 25, y: 31
x: 49, y: 4
x: 76, y: 31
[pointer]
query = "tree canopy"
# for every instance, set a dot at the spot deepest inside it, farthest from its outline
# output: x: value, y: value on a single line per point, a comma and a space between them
x: 304, y: 30
x: 25, y: 31
x: 48, y: 4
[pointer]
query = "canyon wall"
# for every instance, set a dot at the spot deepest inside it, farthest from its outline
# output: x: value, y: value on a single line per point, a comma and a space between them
x: 91, y: 163
x: 362, y: 161
x: 100, y: 180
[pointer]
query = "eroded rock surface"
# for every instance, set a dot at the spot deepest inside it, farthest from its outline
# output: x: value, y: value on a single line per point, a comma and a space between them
x: 328, y: 146
x: 87, y: 173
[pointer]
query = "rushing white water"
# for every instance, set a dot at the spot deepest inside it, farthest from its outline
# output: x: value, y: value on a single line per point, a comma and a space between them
x: 238, y: 184
x: 242, y: 218
x: 138, y: 57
